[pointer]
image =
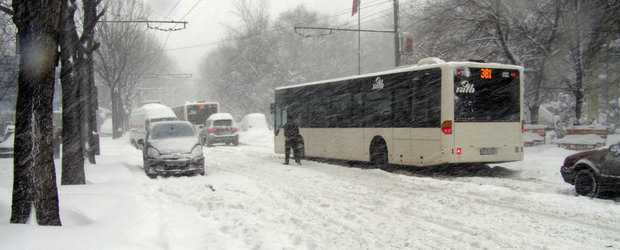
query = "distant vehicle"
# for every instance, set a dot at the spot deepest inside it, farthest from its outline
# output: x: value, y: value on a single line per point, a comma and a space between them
x: 172, y: 148
x: 196, y: 112
x: 431, y: 113
x: 6, y: 146
x: 8, y: 129
x: 141, y: 117
x: 220, y: 128
x: 106, y: 127
x: 594, y: 173
x: 254, y: 121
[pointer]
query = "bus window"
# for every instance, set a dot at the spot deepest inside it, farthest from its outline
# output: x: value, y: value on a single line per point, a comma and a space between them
x: 280, y: 116
x: 487, y: 95
x: 318, y: 113
x: 378, y: 109
x: 427, y: 99
x: 357, y: 110
x: 340, y: 116
x: 402, y: 107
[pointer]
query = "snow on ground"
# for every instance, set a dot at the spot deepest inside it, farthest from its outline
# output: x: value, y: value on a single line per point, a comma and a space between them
x: 249, y: 200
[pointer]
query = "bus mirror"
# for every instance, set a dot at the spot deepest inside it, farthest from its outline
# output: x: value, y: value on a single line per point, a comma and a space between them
x: 272, y: 108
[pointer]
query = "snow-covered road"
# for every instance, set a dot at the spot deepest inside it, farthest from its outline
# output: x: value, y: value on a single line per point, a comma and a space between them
x: 249, y: 200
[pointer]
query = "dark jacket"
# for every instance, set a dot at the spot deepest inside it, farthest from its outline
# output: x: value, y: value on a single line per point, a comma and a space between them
x: 291, y: 130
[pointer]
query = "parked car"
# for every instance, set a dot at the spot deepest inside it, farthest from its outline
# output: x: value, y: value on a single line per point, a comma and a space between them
x: 6, y: 146
x: 594, y: 173
x: 219, y: 128
x: 172, y: 148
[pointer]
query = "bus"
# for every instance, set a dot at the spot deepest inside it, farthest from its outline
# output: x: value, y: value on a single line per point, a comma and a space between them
x: 196, y: 112
x: 431, y: 113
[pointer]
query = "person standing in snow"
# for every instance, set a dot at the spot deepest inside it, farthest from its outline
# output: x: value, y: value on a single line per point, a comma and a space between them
x: 291, y: 135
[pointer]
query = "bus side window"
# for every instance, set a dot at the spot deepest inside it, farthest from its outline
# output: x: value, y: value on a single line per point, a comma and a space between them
x: 378, y: 109
x: 280, y: 119
x: 341, y: 116
x: 357, y: 110
x: 402, y: 107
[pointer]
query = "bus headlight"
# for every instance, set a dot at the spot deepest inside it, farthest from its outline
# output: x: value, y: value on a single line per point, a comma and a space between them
x: 152, y: 152
x: 197, y: 151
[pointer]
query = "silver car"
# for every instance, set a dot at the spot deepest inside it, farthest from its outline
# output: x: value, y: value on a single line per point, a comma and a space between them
x: 172, y: 148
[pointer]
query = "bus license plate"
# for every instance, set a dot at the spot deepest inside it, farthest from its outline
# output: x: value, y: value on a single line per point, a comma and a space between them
x: 488, y: 151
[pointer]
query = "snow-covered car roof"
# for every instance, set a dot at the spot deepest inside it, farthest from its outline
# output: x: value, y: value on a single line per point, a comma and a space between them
x: 220, y: 116
x: 154, y: 111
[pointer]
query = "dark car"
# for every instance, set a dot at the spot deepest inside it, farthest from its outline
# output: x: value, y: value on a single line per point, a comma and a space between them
x: 172, y: 148
x: 594, y: 173
x: 220, y: 128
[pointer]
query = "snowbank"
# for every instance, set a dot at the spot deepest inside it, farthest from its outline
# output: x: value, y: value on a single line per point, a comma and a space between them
x: 254, y: 121
x: 249, y: 200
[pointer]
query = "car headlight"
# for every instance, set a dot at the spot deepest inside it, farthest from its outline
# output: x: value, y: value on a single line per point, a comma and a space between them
x: 152, y: 152
x: 197, y: 151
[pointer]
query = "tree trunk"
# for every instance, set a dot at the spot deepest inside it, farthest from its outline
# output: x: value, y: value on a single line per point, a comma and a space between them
x: 72, y: 158
x: 579, y: 93
x: 34, y: 172
x: 90, y: 20
x: 117, y: 114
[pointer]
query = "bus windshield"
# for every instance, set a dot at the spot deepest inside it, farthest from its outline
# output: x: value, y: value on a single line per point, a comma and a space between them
x: 197, y: 114
x: 486, y: 95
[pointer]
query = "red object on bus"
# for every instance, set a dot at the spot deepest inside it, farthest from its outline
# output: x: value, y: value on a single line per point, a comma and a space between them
x: 446, y: 127
x: 458, y: 151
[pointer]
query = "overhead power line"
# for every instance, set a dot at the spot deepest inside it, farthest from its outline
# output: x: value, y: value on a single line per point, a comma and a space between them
x: 149, y: 22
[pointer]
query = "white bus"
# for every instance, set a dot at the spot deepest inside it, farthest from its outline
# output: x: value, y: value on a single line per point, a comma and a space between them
x: 196, y: 112
x: 431, y: 113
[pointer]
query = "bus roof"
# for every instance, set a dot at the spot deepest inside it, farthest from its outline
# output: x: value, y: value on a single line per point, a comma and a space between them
x: 426, y: 63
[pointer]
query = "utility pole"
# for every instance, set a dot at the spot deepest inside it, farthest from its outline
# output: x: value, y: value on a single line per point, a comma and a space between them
x: 396, y: 38
x: 359, y: 39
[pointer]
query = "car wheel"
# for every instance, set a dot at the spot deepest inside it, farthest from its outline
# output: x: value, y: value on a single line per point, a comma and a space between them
x: 586, y: 183
x: 146, y: 171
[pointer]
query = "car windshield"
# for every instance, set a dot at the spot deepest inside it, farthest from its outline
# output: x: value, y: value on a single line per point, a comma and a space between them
x: 222, y: 123
x: 171, y: 130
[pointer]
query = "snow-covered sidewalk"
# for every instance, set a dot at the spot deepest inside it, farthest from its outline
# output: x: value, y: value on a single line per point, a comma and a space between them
x: 249, y: 200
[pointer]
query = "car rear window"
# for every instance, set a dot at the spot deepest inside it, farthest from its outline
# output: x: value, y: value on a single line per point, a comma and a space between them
x: 221, y: 123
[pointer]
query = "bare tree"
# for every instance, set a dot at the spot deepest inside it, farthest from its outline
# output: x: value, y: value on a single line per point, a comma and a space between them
x: 8, y: 58
x: 589, y: 25
x: 76, y: 84
x: 516, y: 32
x: 34, y: 180
x: 126, y: 52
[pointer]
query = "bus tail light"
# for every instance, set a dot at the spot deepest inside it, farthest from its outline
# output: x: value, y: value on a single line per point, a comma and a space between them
x: 458, y: 151
x: 522, y: 126
x: 446, y: 127
x: 212, y: 129
x: 235, y: 128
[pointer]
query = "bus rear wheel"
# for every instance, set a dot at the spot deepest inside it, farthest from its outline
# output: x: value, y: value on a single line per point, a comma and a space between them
x: 379, y: 154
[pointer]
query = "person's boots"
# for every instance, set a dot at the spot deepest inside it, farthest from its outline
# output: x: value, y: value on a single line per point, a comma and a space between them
x: 286, y: 160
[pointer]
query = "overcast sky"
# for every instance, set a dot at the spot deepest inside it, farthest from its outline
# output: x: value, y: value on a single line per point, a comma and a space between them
x: 208, y: 19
